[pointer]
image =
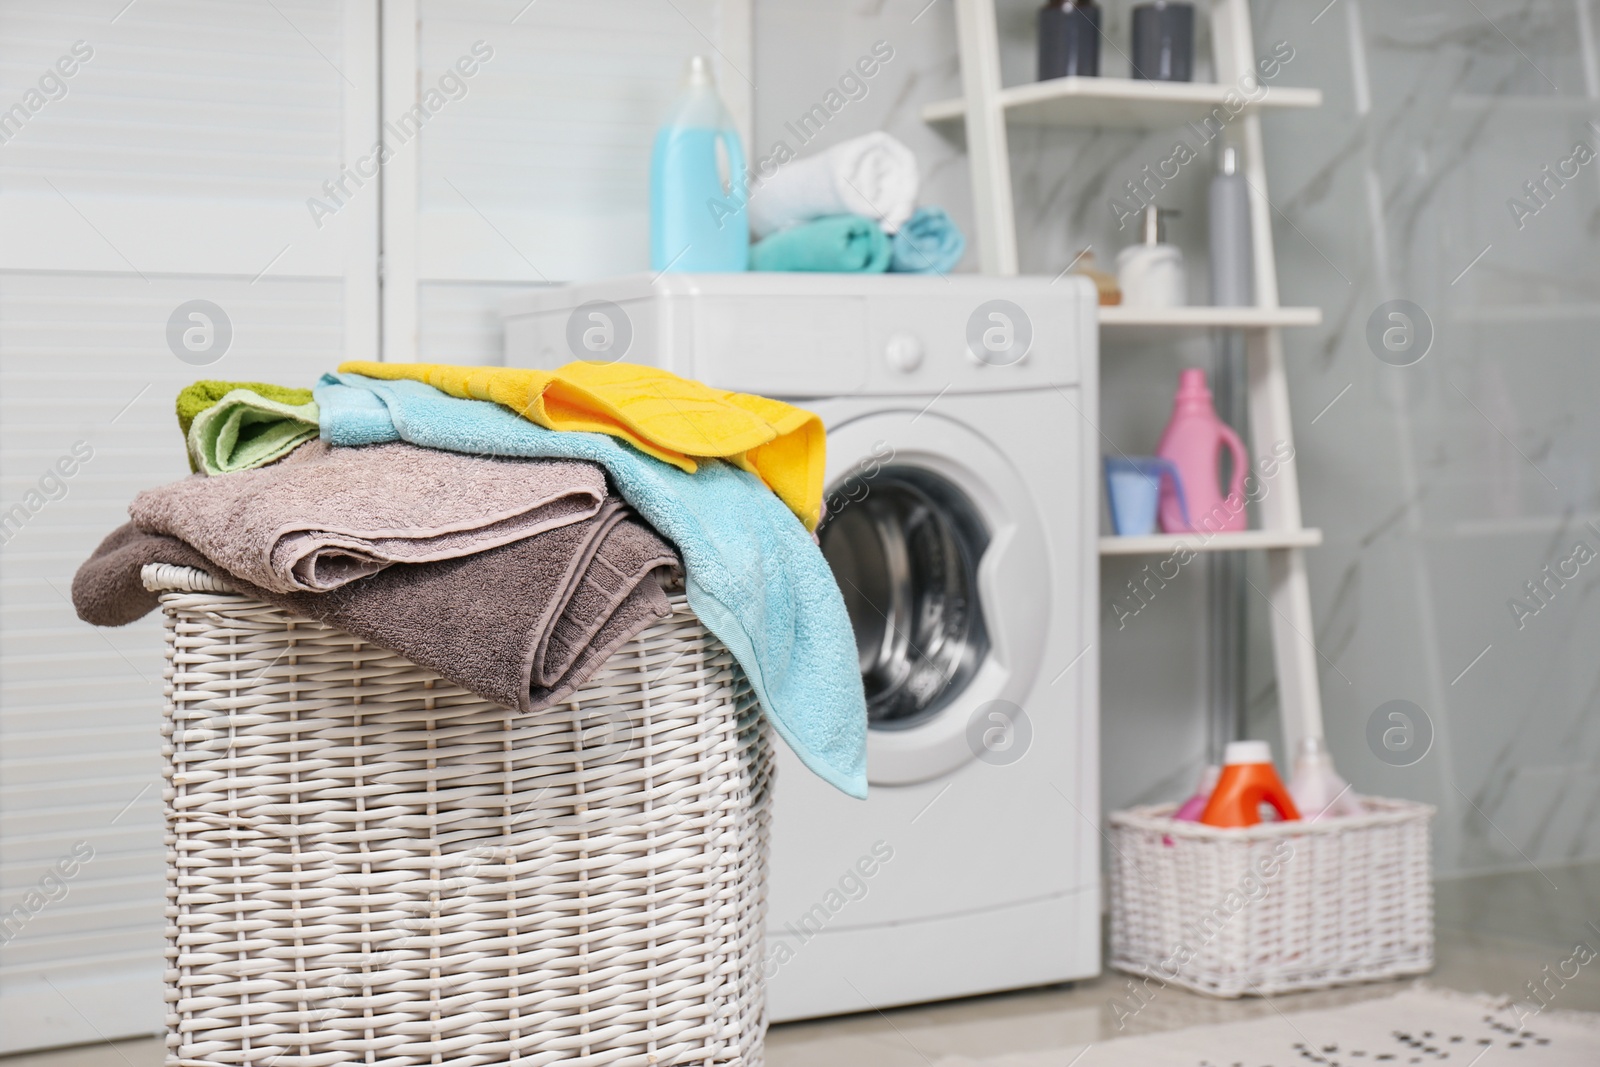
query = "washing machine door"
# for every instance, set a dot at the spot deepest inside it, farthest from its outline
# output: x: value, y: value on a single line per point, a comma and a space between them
x: 939, y: 553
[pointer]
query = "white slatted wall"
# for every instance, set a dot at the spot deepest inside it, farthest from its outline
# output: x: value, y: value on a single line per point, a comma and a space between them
x: 176, y: 167
x: 177, y: 164
x: 540, y: 171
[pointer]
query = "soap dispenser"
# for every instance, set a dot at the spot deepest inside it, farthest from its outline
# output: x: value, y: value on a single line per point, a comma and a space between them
x: 1151, y: 272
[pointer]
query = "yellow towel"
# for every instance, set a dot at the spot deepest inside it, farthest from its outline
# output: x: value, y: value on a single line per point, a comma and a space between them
x: 668, y: 417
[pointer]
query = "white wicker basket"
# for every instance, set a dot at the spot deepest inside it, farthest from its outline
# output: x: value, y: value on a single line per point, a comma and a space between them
x: 1274, y: 907
x: 368, y: 864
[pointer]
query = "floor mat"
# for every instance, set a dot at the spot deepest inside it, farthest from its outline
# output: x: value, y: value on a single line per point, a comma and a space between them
x: 1419, y: 1026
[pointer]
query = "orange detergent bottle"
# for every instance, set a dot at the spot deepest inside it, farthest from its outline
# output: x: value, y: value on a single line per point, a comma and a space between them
x: 1248, y: 781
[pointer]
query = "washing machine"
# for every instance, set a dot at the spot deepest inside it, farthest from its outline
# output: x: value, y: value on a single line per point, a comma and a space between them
x: 961, y: 500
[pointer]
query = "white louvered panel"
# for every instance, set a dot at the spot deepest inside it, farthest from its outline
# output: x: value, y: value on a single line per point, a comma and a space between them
x: 540, y: 171
x: 461, y: 321
x: 192, y: 104
x: 552, y: 141
x: 177, y: 166
x: 101, y: 916
x: 84, y: 357
x: 188, y: 141
x: 191, y: 141
x: 94, y: 705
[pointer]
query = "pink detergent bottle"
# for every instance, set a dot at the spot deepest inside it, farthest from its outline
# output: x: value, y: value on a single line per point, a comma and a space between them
x: 1193, y: 441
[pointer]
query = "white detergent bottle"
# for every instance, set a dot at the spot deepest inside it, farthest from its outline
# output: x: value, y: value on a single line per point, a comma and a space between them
x: 1316, y: 787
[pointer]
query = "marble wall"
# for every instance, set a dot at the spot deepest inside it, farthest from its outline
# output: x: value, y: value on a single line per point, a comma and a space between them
x: 1441, y: 487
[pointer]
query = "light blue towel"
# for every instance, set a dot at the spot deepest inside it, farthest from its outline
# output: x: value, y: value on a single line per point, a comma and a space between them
x: 928, y: 243
x: 753, y: 574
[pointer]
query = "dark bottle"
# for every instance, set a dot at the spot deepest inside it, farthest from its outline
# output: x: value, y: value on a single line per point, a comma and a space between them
x: 1163, y: 42
x: 1069, y: 39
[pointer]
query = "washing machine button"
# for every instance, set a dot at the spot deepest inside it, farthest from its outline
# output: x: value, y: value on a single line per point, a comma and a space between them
x: 904, y: 352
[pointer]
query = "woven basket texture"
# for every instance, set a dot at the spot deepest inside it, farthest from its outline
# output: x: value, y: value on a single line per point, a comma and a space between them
x: 368, y: 864
x: 1275, y: 907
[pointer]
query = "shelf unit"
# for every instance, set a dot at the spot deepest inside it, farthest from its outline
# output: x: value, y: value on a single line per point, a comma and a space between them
x: 1246, y: 318
x: 1165, y: 544
x: 1120, y: 102
x: 987, y: 108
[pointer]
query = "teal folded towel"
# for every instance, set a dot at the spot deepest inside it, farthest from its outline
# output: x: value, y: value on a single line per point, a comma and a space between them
x: 928, y: 243
x: 846, y: 244
x: 752, y: 573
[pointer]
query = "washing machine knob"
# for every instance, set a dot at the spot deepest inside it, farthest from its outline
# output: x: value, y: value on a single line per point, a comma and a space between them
x: 904, y: 352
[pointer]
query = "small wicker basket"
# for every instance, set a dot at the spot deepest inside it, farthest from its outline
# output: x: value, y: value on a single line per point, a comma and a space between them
x: 368, y: 864
x: 1274, y: 907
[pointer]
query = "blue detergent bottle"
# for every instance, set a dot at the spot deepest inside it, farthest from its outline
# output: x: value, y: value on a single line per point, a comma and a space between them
x: 697, y: 183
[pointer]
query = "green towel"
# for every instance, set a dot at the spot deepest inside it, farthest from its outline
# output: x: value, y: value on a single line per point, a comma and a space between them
x: 847, y: 244
x: 239, y: 426
x: 203, y: 394
x: 245, y: 430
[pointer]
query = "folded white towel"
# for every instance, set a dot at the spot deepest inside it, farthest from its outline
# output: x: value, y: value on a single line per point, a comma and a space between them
x: 874, y: 175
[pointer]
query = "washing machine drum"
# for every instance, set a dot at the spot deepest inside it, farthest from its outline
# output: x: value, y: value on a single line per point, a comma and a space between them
x: 904, y: 544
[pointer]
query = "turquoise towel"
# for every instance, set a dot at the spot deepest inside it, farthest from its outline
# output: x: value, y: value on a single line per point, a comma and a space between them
x: 928, y: 243
x: 753, y: 574
x: 846, y: 244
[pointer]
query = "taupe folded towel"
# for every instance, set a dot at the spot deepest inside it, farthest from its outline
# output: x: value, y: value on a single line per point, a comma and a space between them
x: 523, y: 624
x: 323, y: 517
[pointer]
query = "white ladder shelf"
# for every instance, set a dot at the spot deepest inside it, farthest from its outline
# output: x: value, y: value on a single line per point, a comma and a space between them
x: 987, y: 107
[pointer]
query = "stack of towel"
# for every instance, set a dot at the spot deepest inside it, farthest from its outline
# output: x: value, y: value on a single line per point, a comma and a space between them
x: 852, y: 208
x: 541, y: 512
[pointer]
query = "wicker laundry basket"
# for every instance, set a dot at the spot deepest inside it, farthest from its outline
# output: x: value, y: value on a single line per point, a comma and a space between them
x: 368, y: 864
x: 1275, y: 907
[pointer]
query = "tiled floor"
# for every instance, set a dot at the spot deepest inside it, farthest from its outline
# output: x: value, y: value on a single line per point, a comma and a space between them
x: 1495, y: 933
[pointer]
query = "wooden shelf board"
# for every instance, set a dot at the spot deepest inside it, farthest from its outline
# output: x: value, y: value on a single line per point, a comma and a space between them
x: 1119, y: 316
x: 1163, y: 544
x: 1126, y: 102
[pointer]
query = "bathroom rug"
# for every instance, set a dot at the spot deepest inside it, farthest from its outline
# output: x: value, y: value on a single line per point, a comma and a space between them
x: 1417, y: 1027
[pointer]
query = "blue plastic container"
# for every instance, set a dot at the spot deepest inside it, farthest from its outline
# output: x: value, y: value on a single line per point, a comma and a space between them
x: 698, y: 220
x: 1133, y: 485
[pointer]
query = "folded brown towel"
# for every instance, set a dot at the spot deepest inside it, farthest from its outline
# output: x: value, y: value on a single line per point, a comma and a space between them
x: 522, y: 625
x: 322, y: 517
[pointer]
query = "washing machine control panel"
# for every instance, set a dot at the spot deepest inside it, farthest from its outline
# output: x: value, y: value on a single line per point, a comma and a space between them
x: 811, y: 335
